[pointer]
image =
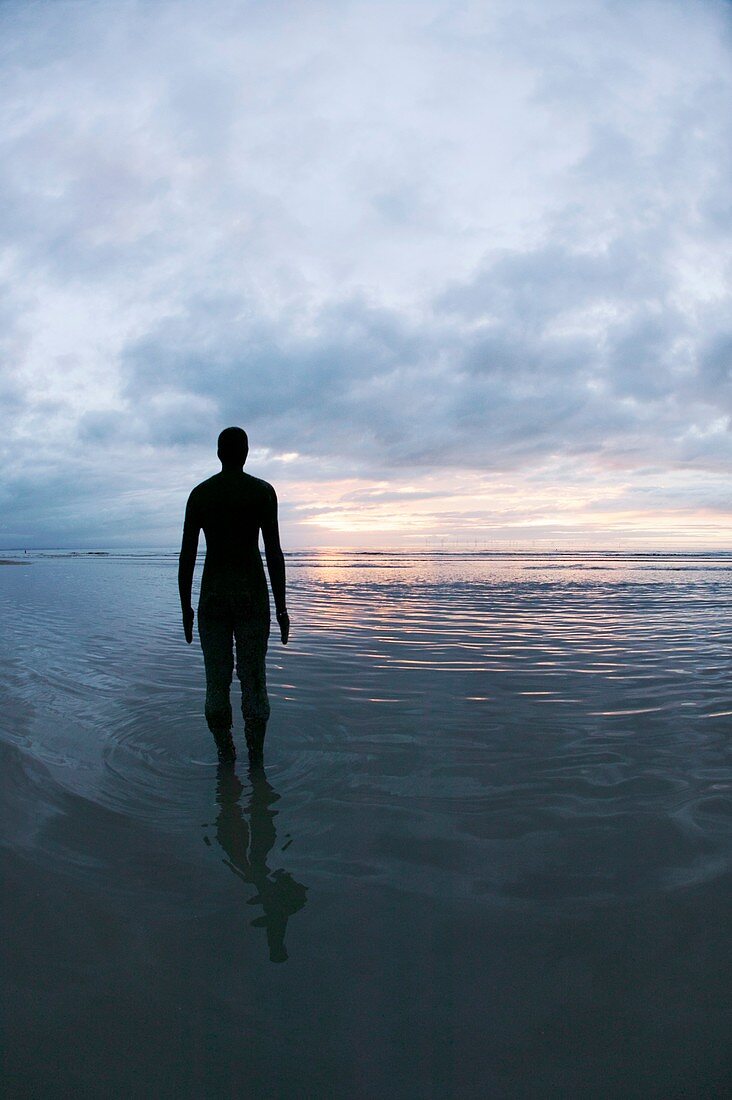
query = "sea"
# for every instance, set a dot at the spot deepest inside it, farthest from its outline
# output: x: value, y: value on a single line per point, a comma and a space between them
x: 488, y: 855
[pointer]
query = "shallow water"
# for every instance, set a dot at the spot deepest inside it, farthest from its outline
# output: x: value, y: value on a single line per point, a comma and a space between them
x: 489, y: 855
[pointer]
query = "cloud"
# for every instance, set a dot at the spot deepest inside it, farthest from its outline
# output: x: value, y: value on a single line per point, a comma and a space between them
x: 394, y: 239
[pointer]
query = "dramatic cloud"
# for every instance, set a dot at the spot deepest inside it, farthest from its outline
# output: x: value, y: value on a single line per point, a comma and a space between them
x: 457, y: 267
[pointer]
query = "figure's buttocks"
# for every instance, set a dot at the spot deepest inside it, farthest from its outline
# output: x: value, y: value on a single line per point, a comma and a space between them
x: 231, y: 508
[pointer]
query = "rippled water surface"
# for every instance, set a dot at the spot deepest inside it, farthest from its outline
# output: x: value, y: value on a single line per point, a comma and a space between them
x: 489, y: 854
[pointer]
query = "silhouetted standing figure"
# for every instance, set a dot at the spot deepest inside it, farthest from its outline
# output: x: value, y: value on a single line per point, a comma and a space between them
x: 231, y: 508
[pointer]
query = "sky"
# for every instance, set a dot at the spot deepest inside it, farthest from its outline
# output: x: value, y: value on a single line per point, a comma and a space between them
x: 460, y: 269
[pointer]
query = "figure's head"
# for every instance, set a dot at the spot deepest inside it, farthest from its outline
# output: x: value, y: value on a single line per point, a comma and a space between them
x: 233, y: 447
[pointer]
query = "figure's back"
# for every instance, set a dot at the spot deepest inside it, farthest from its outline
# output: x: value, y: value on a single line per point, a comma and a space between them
x: 231, y: 508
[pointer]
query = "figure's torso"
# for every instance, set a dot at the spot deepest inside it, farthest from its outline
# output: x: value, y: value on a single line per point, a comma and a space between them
x: 231, y: 507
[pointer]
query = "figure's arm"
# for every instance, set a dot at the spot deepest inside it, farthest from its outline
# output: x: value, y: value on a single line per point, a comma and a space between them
x: 186, y: 565
x: 275, y: 563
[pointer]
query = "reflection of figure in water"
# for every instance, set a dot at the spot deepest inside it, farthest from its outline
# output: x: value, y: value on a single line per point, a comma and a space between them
x: 247, y: 846
x: 232, y: 508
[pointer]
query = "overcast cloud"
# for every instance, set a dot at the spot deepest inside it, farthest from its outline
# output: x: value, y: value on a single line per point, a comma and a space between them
x: 456, y: 267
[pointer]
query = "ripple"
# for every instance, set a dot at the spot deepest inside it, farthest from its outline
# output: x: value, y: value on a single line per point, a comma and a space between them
x: 526, y: 719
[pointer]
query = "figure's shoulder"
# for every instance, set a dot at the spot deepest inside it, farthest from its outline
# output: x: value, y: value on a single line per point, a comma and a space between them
x: 221, y: 490
x: 204, y: 489
x: 262, y: 488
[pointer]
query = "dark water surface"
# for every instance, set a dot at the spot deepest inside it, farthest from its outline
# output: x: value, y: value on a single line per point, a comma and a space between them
x: 489, y: 855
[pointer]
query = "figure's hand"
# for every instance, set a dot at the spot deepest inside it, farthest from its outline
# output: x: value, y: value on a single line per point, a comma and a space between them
x: 188, y: 624
x: 284, y: 623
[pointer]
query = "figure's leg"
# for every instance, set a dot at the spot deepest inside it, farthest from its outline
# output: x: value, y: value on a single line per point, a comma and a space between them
x: 216, y: 634
x: 251, y: 651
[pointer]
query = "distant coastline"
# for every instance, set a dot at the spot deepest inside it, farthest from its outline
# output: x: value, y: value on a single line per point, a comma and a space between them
x: 558, y: 554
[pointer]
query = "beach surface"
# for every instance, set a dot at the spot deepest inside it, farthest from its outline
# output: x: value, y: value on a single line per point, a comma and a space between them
x: 488, y: 856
